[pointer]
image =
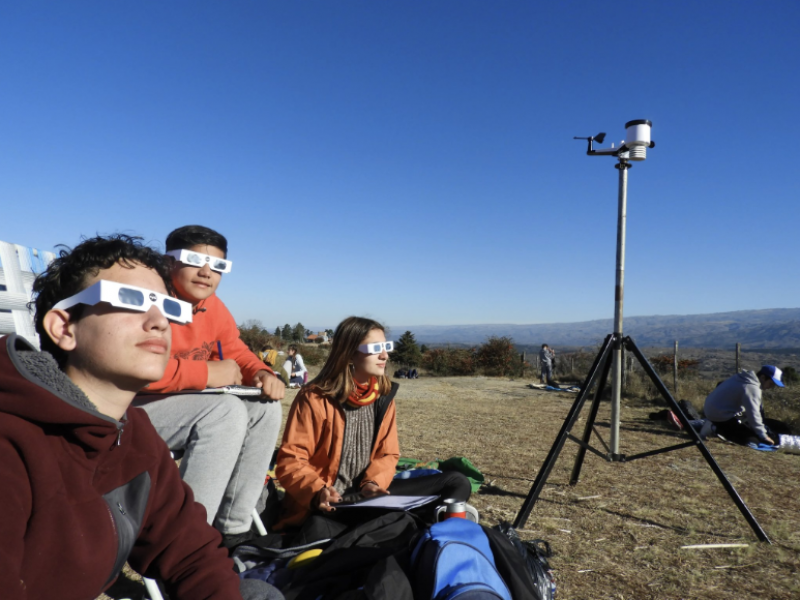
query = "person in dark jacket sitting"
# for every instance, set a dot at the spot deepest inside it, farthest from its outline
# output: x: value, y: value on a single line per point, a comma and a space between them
x: 87, y: 483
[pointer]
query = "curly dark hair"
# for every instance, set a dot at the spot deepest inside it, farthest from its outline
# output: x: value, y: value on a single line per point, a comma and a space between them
x: 187, y: 236
x: 67, y: 275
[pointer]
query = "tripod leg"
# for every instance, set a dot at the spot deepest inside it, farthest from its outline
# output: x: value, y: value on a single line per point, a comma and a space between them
x: 587, y: 432
x: 675, y: 407
x: 555, y: 450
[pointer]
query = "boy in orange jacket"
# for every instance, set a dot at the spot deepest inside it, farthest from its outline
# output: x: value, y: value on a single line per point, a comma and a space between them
x: 227, y: 441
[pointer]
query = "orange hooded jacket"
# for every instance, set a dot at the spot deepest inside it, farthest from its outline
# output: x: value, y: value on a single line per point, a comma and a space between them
x: 311, y: 450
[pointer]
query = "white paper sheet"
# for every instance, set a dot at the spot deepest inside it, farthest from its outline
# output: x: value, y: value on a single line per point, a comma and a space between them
x: 236, y: 390
x: 391, y: 502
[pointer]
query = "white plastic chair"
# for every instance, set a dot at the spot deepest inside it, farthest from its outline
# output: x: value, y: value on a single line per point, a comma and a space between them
x: 19, y: 266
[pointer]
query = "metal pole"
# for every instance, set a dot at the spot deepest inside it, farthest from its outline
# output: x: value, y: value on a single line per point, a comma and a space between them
x: 616, y: 371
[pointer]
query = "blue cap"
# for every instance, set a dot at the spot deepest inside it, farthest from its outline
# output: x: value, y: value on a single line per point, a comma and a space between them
x: 773, y: 373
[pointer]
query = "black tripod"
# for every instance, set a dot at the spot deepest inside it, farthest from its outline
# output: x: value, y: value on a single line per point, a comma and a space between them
x: 599, y: 374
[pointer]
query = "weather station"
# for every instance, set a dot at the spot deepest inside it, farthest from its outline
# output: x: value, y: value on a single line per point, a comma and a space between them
x: 611, y: 357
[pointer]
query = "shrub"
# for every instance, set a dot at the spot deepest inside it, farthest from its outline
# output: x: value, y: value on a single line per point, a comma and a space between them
x: 497, y: 356
x: 665, y: 362
x: 256, y: 337
x: 313, y: 354
x: 450, y: 361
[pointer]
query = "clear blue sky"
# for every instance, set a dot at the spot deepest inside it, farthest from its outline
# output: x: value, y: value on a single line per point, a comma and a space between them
x: 413, y: 160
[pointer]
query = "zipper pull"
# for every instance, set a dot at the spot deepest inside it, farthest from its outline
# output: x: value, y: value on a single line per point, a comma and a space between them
x: 119, y: 437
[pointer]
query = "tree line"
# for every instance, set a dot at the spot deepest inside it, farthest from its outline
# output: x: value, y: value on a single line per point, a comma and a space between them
x: 256, y: 336
x: 497, y: 356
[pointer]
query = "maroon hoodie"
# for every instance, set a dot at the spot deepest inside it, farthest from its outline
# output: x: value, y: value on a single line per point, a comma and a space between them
x: 81, y: 493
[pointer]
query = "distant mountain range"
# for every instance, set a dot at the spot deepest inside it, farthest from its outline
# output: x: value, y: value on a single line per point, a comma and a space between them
x: 776, y: 328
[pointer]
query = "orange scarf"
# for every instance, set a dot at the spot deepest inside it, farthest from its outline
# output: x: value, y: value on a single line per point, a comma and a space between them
x: 364, y: 395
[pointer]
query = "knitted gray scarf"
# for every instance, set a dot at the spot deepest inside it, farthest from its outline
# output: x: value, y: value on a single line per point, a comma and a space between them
x: 359, y: 429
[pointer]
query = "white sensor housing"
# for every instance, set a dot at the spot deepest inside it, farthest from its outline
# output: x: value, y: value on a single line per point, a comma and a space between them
x: 637, y: 138
x: 637, y: 133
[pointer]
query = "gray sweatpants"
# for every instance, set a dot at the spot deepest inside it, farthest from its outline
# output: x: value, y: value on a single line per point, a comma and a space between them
x: 227, y: 444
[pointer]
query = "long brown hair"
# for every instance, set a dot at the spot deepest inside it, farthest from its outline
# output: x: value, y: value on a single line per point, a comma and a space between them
x: 335, y: 380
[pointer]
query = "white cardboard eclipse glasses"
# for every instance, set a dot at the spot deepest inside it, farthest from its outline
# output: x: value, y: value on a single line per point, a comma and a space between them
x: 122, y: 295
x: 198, y: 259
x: 376, y: 347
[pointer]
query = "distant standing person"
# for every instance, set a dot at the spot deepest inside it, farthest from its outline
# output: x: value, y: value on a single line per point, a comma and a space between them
x: 546, y: 358
x: 735, y: 407
x: 296, y: 367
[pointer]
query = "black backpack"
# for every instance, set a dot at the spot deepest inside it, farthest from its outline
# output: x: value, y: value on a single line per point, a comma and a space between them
x: 532, y: 555
x: 368, y: 561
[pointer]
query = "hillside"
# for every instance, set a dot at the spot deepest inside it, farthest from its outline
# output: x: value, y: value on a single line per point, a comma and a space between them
x: 754, y: 329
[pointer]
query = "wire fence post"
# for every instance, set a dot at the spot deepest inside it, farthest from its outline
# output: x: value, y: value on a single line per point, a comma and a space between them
x: 738, y: 357
x: 675, y: 368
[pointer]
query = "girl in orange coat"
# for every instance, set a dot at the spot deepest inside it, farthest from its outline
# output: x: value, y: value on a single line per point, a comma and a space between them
x: 340, y: 439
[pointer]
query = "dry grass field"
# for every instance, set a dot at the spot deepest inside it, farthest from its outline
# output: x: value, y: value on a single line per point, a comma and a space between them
x: 618, y: 534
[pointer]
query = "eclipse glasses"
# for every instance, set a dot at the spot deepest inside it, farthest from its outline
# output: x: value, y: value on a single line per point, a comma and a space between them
x: 121, y: 295
x: 376, y: 347
x: 198, y: 259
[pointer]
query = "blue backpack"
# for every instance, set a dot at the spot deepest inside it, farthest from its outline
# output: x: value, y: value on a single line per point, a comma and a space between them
x: 453, y: 559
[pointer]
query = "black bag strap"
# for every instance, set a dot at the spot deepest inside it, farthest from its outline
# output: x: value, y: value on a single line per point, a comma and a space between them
x: 381, y: 406
x: 542, y: 547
